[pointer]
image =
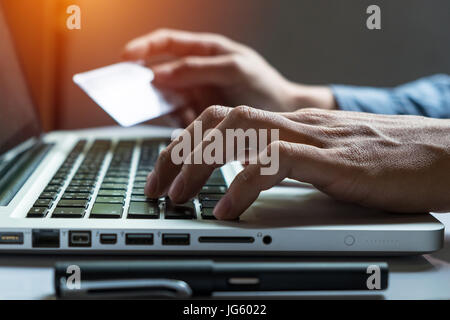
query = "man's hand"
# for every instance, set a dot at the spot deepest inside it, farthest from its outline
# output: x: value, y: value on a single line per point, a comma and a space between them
x: 210, y: 69
x: 397, y: 163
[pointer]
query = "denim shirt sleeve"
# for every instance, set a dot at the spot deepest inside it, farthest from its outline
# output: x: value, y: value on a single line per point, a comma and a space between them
x: 429, y: 96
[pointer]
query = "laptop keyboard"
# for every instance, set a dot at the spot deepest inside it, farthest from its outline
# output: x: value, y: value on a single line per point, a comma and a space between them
x: 88, y: 190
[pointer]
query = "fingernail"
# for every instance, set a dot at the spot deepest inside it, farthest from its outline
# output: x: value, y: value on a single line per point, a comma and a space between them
x: 151, y: 184
x: 176, y: 190
x: 223, y: 208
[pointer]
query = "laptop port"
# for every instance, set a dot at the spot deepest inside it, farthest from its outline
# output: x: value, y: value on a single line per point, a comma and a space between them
x: 214, y: 239
x: 108, y: 238
x: 45, y: 238
x: 139, y: 239
x: 175, y: 239
x: 79, y: 238
x: 11, y: 238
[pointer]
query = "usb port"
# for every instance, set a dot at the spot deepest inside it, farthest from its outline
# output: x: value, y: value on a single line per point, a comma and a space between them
x: 11, y: 238
x: 139, y: 239
x: 175, y: 239
x: 79, y: 238
x: 108, y: 238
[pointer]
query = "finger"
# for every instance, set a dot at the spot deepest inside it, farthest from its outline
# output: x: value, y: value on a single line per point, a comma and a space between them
x: 235, y: 140
x: 195, y: 71
x: 179, y: 43
x: 165, y: 169
x: 301, y: 162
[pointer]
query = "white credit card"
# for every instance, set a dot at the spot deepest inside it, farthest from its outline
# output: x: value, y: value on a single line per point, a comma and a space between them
x: 125, y: 92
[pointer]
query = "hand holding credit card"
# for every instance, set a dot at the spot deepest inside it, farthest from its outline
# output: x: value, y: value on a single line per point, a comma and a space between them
x: 125, y: 92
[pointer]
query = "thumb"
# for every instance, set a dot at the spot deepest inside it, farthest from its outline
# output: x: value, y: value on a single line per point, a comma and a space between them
x: 197, y: 71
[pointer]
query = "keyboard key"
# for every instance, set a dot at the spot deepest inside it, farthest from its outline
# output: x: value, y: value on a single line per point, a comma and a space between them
x: 143, y: 198
x: 111, y: 193
x: 84, y: 177
x: 63, y: 212
x: 214, y: 189
x: 114, y: 186
x: 110, y: 200
x: 76, y: 196
x: 207, y: 214
x: 46, y: 203
x: 56, y: 182
x: 79, y: 190
x: 140, y: 179
x: 52, y: 189
x: 210, y: 197
x: 179, y: 211
x: 209, y: 204
x: 139, y: 184
x: 115, y: 180
x: 143, y: 210
x: 48, y: 195
x: 138, y: 192
x: 106, y: 210
x: 82, y: 183
x: 73, y: 203
x: 38, y: 212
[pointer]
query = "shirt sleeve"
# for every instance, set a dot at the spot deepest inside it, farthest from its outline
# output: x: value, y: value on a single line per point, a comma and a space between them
x: 429, y: 96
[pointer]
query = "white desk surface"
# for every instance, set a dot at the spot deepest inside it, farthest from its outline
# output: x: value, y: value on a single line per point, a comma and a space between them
x: 420, y: 277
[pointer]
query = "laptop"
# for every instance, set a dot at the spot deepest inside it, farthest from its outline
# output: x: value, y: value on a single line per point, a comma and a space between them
x: 83, y: 192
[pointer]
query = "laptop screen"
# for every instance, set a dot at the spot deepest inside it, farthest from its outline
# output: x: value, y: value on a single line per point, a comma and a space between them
x: 18, y: 119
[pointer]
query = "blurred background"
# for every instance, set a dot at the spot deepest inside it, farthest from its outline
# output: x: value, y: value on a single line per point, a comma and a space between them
x: 309, y: 41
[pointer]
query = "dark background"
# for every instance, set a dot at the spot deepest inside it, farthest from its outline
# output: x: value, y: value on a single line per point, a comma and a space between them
x: 309, y: 41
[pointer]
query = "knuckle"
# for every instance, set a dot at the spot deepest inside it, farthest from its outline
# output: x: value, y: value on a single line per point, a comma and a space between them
x: 214, y: 112
x: 235, y: 62
x: 245, y: 113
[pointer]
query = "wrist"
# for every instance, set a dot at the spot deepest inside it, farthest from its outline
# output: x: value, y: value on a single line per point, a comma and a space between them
x: 307, y: 96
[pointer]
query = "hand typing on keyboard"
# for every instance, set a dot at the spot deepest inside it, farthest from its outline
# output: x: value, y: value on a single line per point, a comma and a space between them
x: 374, y: 160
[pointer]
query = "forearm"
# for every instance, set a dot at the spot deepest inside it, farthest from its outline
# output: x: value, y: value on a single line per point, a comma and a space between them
x: 429, y: 96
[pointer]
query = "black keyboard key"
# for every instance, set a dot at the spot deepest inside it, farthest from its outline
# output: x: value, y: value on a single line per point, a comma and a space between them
x: 52, y: 189
x: 207, y: 214
x: 37, y: 212
x: 143, y: 210
x: 46, y: 203
x: 48, y: 195
x: 65, y: 212
x: 56, y: 182
x: 84, y: 177
x: 76, y: 196
x: 138, y: 192
x: 110, y: 200
x: 209, y: 204
x: 214, y: 189
x: 210, y: 197
x: 73, y: 203
x: 179, y: 211
x: 106, y: 210
x: 111, y: 193
x: 143, y: 199
x: 79, y: 190
x: 82, y: 183
x: 115, y: 180
x: 139, y: 184
x: 215, y: 182
x: 114, y: 186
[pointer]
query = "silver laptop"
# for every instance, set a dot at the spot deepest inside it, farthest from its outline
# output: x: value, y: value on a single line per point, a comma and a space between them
x: 82, y: 191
